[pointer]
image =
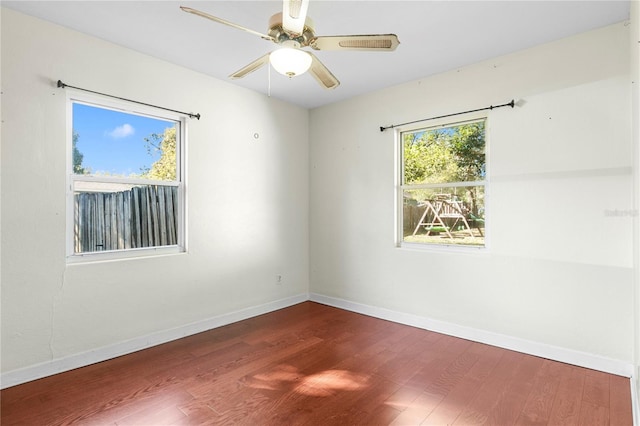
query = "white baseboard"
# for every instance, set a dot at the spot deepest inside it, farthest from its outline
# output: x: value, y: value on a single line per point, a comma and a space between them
x: 569, y: 356
x: 60, y: 365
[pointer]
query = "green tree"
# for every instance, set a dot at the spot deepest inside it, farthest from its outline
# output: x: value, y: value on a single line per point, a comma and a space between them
x: 165, y: 167
x: 77, y: 156
x: 427, y: 158
x: 467, y: 146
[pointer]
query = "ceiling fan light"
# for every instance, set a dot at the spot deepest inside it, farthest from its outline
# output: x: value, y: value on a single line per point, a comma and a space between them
x: 290, y: 61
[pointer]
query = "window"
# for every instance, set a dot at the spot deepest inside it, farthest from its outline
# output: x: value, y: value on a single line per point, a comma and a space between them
x: 126, y: 181
x: 441, y: 195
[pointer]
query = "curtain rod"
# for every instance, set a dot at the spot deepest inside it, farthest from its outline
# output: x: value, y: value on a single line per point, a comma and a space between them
x: 511, y: 104
x: 189, y: 114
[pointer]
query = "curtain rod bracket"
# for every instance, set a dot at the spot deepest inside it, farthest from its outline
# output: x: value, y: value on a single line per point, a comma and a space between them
x: 490, y: 107
x: 189, y: 114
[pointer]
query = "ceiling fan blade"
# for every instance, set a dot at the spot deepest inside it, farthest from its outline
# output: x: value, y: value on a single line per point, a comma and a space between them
x: 251, y: 67
x: 322, y: 74
x: 367, y: 42
x: 225, y: 22
x: 294, y: 14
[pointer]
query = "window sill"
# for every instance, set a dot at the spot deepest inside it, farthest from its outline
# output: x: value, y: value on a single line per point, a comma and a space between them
x: 444, y: 248
x: 118, y: 255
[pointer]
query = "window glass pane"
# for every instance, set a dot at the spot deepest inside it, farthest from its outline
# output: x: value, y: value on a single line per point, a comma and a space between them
x: 120, y: 216
x: 118, y: 144
x: 454, y: 153
x: 447, y: 215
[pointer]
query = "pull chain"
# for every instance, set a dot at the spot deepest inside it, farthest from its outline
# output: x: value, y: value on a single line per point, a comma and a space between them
x: 269, y: 78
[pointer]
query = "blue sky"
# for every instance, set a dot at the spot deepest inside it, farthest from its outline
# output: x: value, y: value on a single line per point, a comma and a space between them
x: 113, y: 142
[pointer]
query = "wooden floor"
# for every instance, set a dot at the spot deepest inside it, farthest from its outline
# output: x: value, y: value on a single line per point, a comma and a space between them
x: 317, y: 365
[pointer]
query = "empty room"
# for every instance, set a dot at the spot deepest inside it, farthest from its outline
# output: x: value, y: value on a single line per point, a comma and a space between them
x: 320, y: 212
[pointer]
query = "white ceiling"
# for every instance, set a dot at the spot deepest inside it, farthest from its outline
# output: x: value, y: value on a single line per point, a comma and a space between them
x: 435, y: 36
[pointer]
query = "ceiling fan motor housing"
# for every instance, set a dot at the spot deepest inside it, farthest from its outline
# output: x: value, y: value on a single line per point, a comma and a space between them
x: 280, y: 35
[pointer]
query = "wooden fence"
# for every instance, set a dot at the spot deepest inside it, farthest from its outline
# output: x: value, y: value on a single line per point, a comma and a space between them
x: 145, y: 216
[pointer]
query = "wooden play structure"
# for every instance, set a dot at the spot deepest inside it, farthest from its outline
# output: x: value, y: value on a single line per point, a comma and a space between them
x: 442, y: 207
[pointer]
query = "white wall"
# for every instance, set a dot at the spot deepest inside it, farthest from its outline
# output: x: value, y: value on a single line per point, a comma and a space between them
x: 247, y: 210
x: 559, y: 268
x: 635, y: 76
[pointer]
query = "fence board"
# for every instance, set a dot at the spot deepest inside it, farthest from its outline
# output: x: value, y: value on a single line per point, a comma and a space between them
x: 171, y: 219
x: 153, y: 203
x: 162, y: 226
x: 100, y: 220
x: 126, y: 219
x: 135, y: 231
x: 144, y: 221
x: 113, y: 218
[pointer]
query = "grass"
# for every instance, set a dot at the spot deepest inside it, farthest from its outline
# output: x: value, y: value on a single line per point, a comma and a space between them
x: 460, y: 238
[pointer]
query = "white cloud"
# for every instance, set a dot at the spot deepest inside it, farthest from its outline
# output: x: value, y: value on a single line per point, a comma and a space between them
x: 122, y: 131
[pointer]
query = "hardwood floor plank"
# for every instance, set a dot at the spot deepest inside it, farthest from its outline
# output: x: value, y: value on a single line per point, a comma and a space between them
x: 593, y: 415
x: 473, y: 366
x: 198, y: 412
x: 596, y: 388
x: 455, y: 371
x: 433, y: 375
x: 488, y: 358
x: 312, y: 364
x: 156, y: 416
x: 381, y: 415
x: 492, y: 392
x: 370, y: 408
x: 566, y: 407
x: 453, y: 404
x: 418, y: 410
x: 407, y: 362
x: 537, y: 409
x: 620, y: 413
x: 518, y: 387
x: 403, y: 398
x: 250, y: 410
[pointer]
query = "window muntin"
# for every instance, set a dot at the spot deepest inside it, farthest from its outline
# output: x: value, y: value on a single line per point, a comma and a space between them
x: 442, y: 185
x: 126, y: 181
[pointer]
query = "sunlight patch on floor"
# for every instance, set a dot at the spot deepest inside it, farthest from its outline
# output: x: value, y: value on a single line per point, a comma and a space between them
x: 324, y: 383
x: 328, y: 382
x: 279, y: 378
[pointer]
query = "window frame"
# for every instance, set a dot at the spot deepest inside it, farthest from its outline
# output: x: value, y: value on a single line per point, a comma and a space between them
x: 132, y: 108
x: 400, y: 187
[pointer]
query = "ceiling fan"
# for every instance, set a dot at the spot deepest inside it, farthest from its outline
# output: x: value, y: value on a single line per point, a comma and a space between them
x: 293, y: 30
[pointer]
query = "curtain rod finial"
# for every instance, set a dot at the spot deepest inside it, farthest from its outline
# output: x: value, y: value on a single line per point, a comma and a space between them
x: 61, y: 84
